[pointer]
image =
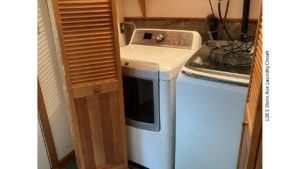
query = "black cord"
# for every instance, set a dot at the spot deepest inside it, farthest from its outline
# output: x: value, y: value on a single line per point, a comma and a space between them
x: 238, y: 47
x: 212, y: 10
x: 247, y: 48
x: 235, y: 51
x: 243, y: 50
x: 220, y: 17
x: 225, y: 18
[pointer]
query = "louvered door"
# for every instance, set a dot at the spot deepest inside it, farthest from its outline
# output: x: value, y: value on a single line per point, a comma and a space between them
x: 90, y: 54
x: 252, y: 124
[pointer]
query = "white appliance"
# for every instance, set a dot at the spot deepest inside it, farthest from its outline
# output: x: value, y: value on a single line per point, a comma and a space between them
x: 210, y: 100
x: 150, y: 65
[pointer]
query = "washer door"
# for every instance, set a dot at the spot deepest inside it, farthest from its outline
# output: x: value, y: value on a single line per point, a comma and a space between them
x: 141, y: 94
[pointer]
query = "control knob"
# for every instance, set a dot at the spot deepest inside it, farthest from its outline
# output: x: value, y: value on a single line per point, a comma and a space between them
x: 159, y: 37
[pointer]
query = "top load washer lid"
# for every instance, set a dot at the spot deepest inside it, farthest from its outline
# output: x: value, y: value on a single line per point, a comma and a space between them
x: 169, y: 60
x: 224, y: 60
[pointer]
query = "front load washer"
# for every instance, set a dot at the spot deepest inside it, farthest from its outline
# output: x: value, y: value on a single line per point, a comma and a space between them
x: 150, y: 65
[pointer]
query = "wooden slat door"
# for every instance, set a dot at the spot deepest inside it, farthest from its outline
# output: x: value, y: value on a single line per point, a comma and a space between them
x: 91, y: 62
x: 252, y: 125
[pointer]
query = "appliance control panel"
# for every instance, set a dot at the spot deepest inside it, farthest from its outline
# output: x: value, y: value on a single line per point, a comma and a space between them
x: 165, y: 38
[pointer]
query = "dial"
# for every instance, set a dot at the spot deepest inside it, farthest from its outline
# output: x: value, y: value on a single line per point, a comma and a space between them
x: 159, y: 37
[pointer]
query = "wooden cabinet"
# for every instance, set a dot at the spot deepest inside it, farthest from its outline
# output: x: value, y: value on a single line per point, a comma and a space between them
x: 251, y: 140
x: 244, y: 149
x: 88, y: 35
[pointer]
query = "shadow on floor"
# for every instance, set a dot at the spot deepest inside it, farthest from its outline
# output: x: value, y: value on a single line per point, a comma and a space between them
x: 72, y: 165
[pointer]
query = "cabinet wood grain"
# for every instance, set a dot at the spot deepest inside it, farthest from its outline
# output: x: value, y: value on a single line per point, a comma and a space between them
x: 250, y: 148
x: 88, y: 35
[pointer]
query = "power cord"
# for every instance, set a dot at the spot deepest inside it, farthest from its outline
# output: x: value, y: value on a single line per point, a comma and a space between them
x: 211, y: 8
x: 221, y: 19
x: 213, y: 23
x: 225, y: 18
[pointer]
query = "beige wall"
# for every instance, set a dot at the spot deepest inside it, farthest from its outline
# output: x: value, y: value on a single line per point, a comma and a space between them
x: 189, y: 8
x: 120, y: 13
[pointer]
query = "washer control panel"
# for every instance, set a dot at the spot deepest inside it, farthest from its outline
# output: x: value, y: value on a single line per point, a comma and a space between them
x: 166, y: 38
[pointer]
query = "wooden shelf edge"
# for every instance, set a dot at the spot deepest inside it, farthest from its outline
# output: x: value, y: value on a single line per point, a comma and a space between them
x: 179, y: 18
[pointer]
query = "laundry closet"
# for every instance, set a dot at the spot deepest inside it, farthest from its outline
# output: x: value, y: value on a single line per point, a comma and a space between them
x: 151, y: 84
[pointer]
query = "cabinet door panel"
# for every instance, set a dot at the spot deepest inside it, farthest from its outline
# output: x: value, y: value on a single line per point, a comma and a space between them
x: 89, y: 45
x: 253, y: 103
x: 100, y: 127
x: 252, y: 129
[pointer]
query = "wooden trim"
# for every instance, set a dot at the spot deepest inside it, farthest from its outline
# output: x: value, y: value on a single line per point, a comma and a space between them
x: 257, y: 33
x: 46, y: 130
x: 89, y: 90
x: 142, y: 4
x: 249, y: 120
x: 181, y: 18
x: 256, y: 135
x: 119, y: 72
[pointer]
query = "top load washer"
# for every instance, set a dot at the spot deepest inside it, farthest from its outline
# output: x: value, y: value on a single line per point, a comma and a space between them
x: 150, y: 65
x: 211, y: 94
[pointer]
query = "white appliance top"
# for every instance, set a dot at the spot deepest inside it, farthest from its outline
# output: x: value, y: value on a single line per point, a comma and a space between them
x: 218, y: 76
x: 169, y: 49
x: 222, y: 61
